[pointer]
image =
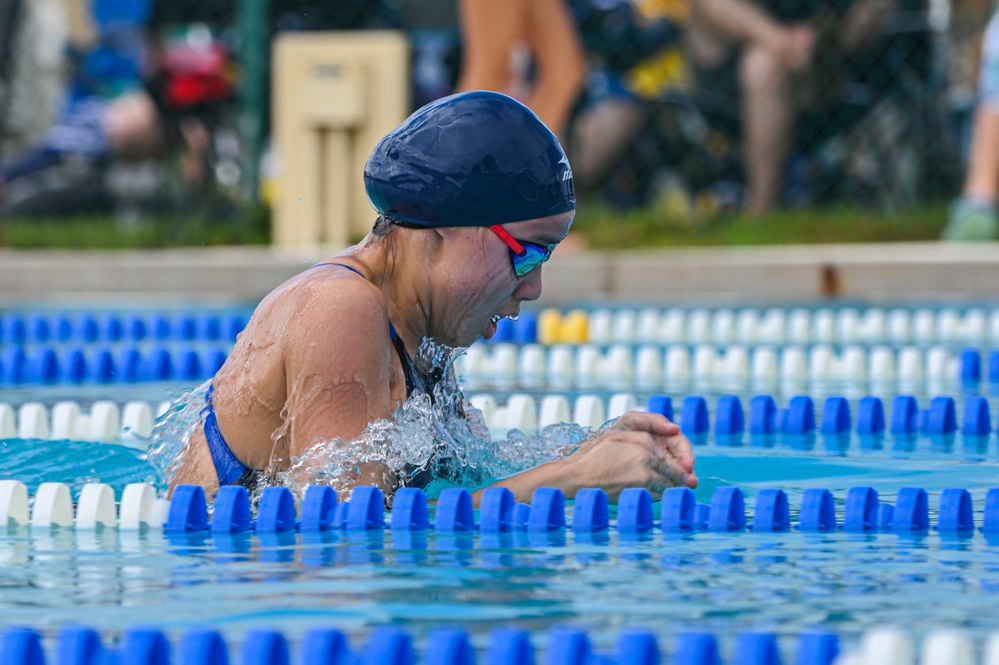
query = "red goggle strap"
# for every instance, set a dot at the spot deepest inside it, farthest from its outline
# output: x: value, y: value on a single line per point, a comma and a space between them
x: 508, y: 239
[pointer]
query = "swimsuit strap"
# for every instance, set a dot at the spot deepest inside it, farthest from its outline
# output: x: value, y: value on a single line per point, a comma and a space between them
x: 408, y: 370
x: 340, y: 265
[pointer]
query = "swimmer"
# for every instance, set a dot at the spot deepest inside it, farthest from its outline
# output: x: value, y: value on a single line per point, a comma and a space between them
x: 473, y: 193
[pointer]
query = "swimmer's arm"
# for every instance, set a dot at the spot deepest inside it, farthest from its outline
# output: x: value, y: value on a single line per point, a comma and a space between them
x: 523, y: 484
x: 339, y: 373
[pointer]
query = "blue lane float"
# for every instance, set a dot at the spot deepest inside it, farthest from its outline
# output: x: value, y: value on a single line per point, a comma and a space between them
x: 102, y: 366
x: 324, y: 645
x: 634, y: 511
x: 870, y: 416
x: 568, y: 646
x: 188, y: 510
x: 729, y: 416
x: 800, y: 419
x: 818, y: 512
x: 697, y: 648
x: 392, y: 646
x: 87, y: 327
x: 728, y: 510
x: 904, y: 415
x: 21, y: 646
x: 911, y: 512
x: 591, y: 512
x: 525, y: 328
x: 366, y: 510
x: 276, y: 512
x: 547, y: 511
x: 77, y: 645
x: 762, y: 415
x: 679, y: 510
x: 994, y: 367
x: 971, y: 367
x: 232, y: 510
x: 74, y: 366
x: 203, y: 647
x: 264, y: 647
x: 942, y: 416
x: 990, y: 523
x: 454, y: 511
x: 863, y: 512
x: 158, y: 365
x: 319, y: 505
x: 772, y: 513
x: 637, y: 648
x: 860, y: 513
x: 496, y: 510
x: 145, y: 646
x: 835, y: 416
x: 886, y: 516
x: 661, y: 404
x: 449, y: 646
x: 955, y: 514
x: 976, y: 421
x: 409, y: 510
x: 130, y: 365
x: 757, y: 649
x: 520, y: 515
x: 694, y: 415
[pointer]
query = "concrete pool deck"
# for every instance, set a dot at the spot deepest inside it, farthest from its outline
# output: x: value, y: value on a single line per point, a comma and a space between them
x: 895, y: 272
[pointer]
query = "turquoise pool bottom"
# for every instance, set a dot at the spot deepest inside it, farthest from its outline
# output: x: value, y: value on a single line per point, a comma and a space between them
x: 723, y: 583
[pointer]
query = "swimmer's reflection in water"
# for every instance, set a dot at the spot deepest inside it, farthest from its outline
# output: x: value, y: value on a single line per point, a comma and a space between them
x: 350, y: 360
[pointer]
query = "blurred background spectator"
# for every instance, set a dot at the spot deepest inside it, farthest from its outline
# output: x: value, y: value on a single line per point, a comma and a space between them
x: 973, y: 216
x: 491, y: 32
x: 778, y: 63
x: 129, y: 123
x: 132, y: 107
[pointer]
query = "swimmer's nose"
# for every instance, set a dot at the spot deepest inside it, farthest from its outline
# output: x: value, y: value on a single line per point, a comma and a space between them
x: 529, y: 286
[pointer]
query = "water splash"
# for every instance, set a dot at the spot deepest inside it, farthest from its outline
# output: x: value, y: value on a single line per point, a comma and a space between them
x: 434, y: 441
x: 173, y: 430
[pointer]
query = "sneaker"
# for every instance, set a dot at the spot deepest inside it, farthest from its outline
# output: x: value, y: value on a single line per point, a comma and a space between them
x: 971, y: 221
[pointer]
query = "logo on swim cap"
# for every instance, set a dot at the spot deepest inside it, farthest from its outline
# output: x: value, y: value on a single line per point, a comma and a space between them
x: 472, y: 159
x: 567, y: 173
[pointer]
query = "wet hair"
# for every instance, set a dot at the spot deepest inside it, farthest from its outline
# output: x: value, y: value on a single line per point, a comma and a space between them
x: 472, y: 159
x: 383, y: 226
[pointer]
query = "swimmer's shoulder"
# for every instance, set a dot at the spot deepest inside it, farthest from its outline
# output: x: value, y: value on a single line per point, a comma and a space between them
x: 340, y: 303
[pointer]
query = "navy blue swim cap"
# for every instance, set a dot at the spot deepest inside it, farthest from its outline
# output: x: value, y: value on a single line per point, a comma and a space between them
x: 472, y: 159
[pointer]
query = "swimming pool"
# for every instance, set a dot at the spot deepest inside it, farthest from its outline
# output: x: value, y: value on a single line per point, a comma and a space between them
x: 605, y: 581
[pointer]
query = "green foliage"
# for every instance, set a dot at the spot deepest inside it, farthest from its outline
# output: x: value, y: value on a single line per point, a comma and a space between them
x: 648, y: 227
x: 250, y: 226
x: 603, y: 228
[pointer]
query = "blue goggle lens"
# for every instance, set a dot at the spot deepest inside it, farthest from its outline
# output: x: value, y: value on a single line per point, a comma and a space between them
x: 531, y: 259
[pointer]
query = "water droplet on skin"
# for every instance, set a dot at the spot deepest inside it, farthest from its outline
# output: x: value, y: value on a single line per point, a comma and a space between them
x: 299, y: 199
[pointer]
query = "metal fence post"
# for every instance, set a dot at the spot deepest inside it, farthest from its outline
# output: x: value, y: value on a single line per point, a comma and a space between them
x: 254, y: 52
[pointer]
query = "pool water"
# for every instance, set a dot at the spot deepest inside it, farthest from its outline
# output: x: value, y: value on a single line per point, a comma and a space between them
x: 723, y: 583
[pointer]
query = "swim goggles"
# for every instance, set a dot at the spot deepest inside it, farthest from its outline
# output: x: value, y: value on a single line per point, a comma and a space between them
x: 526, y: 256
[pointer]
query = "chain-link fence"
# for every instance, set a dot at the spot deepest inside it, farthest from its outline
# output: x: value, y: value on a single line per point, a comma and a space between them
x: 137, y: 106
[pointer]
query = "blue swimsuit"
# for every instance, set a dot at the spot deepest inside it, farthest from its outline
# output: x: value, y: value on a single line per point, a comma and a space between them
x: 231, y: 471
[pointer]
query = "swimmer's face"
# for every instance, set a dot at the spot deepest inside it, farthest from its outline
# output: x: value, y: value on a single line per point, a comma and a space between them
x: 480, y: 281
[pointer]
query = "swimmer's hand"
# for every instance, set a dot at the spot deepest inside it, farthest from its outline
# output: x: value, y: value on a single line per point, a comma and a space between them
x: 639, y: 450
